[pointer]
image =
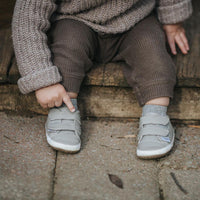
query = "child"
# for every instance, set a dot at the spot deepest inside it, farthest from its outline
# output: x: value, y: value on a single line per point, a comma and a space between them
x: 81, y: 32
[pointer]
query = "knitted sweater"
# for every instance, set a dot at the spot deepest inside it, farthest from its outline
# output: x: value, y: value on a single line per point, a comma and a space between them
x: 32, y: 19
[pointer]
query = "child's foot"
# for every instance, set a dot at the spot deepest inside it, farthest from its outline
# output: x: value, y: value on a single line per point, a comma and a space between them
x: 156, y: 135
x: 63, y: 129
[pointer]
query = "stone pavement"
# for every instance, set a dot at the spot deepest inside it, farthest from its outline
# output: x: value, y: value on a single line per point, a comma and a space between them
x: 30, y: 169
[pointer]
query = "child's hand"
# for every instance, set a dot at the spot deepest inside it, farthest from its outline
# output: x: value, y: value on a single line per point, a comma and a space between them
x: 176, y: 35
x: 52, y: 96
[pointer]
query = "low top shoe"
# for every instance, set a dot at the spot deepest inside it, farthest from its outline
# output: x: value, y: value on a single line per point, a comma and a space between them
x: 156, y: 136
x: 63, y: 129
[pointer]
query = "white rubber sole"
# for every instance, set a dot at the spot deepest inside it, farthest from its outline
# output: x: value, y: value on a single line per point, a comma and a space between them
x: 155, y: 153
x: 63, y: 147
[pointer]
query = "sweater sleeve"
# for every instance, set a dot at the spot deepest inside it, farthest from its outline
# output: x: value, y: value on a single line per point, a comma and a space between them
x: 173, y: 11
x: 30, y: 23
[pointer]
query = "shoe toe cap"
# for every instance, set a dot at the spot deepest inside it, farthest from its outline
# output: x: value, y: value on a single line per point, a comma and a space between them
x: 65, y: 138
x: 149, y: 145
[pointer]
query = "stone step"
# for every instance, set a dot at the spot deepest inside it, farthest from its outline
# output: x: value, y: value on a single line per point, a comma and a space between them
x: 96, y: 101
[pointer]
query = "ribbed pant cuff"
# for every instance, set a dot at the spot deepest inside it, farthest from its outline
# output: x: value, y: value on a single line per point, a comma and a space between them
x: 72, y: 84
x: 157, y: 90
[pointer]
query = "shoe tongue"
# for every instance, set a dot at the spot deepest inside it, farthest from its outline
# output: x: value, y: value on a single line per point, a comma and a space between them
x: 59, y: 112
x: 152, y: 114
x: 63, y: 108
x: 160, y: 110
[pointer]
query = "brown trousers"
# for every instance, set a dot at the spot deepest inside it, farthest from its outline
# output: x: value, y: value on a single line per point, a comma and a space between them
x: 149, y: 69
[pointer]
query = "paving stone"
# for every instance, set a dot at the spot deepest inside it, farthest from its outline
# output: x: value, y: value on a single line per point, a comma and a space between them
x: 27, y: 162
x: 186, y: 152
x: 184, y: 163
x: 105, y: 151
x: 185, y: 186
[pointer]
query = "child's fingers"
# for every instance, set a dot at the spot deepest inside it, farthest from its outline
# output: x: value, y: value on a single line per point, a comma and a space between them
x: 171, y: 42
x: 184, y: 38
x: 180, y: 44
x: 44, y: 105
x: 51, y: 104
x: 58, y: 103
x: 68, y: 103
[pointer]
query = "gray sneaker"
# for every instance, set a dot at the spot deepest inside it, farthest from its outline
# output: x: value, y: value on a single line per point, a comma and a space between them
x: 156, y: 136
x: 63, y: 129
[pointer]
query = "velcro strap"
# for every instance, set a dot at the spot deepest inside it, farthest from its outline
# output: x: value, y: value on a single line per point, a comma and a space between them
x: 77, y: 127
x: 162, y: 120
x: 156, y: 131
x: 64, y: 115
x: 59, y: 125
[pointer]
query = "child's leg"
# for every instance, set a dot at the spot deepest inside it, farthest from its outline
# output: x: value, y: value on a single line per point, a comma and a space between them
x: 73, y: 47
x: 150, y: 69
x: 151, y: 72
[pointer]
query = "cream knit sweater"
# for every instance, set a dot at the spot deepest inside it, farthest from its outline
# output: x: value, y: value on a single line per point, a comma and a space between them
x: 32, y: 19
